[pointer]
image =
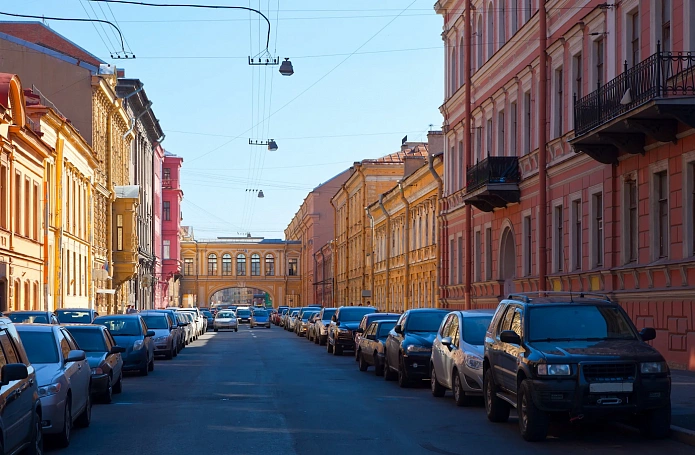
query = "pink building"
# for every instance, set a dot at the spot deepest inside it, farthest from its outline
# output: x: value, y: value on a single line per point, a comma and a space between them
x: 570, y: 156
x: 160, y: 285
x: 172, y: 195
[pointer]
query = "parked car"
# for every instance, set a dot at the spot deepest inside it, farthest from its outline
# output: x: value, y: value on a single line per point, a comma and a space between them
x: 278, y: 315
x: 321, y: 325
x: 370, y: 349
x: 225, y: 319
x: 63, y: 376
x: 343, y: 324
x: 33, y: 317
x: 186, y: 321
x: 457, y: 355
x: 575, y: 354
x: 409, y: 345
x: 291, y: 319
x: 302, y: 324
x: 20, y: 405
x: 164, y: 342
x: 198, y: 320
x: 368, y: 319
x: 104, y: 358
x: 259, y: 318
x: 243, y: 315
x: 131, y: 332
x: 177, y: 329
x: 210, y: 318
x: 311, y: 325
x: 76, y: 315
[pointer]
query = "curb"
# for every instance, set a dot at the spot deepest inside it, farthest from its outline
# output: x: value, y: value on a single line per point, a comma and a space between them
x: 683, y: 435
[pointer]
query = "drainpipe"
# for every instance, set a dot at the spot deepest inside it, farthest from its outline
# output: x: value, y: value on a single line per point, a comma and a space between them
x: 542, y: 174
x: 58, y: 247
x: 437, y: 209
x: 406, y: 277
x: 388, y: 251
x: 467, y: 131
x: 371, y: 253
x: 362, y: 224
x: 134, y: 120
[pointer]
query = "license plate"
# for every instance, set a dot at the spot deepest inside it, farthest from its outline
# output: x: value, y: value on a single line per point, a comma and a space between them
x: 613, y: 387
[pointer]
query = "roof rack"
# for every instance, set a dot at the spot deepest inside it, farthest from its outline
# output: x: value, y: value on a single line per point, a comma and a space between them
x: 526, y: 296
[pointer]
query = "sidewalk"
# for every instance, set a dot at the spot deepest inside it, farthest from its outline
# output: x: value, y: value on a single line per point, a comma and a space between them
x: 683, y: 405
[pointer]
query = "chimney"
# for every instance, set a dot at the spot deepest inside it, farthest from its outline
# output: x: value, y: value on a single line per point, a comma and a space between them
x: 435, y: 142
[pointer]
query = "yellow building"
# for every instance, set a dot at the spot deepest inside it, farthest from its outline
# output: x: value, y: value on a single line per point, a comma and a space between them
x: 22, y: 156
x: 405, y: 253
x: 353, y: 237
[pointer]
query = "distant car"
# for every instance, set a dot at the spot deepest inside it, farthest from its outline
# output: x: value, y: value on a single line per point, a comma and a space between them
x: 260, y: 318
x: 302, y: 324
x: 341, y: 330
x: 76, y: 315
x: 104, y: 357
x: 20, y: 414
x: 33, y: 317
x: 164, y: 342
x: 243, y: 315
x: 200, y: 322
x: 368, y: 319
x: 321, y: 325
x: 225, y: 320
x: 277, y: 316
x: 131, y: 332
x: 457, y: 355
x: 409, y: 345
x: 370, y: 349
x: 177, y: 329
x: 291, y: 319
x: 185, y: 320
x: 63, y: 376
x: 210, y: 317
x: 311, y: 325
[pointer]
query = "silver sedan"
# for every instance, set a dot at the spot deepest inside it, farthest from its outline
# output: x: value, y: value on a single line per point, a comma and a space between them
x: 225, y: 320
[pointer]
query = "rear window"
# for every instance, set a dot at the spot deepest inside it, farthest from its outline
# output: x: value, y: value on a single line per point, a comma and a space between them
x: 421, y: 321
x: 77, y: 317
x: 385, y: 328
x: 328, y: 314
x: 28, y: 318
x: 354, y: 314
x: 40, y: 346
x: 580, y: 323
x: 225, y: 315
x: 262, y: 313
x: 90, y: 340
x: 474, y: 329
x: 156, y: 322
x: 120, y: 326
x: 243, y: 313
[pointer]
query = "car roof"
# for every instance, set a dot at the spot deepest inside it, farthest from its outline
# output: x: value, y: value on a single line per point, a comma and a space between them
x: 370, y: 315
x: 560, y: 298
x: 84, y: 326
x: 150, y: 313
x: 27, y: 312
x: 476, y: 313
x: 119, y: 316
x: 37, y: 327
x: 428, y: 310
x: 74, y: 309
x: 356, y: 306
x: 383, y: 321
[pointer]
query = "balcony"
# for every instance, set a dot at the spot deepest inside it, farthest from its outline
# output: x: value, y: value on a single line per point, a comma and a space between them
x: 493, y: 183
x: 170, y: 184
x: 647, y: 100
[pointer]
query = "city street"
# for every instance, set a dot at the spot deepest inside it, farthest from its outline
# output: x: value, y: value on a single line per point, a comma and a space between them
x: 269, y: 392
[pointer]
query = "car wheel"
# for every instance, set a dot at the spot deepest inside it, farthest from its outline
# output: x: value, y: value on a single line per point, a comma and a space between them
x: 496, y: 408
x: 118, y: 386
x: 216, y: 330
x: 329, y: 347
x: 362, y: 363
x: 107, y: 396
x: 389, y: 375
x: 533, y: 422
x: 437, y: 389
x: 144, y: 371
x: 337, y: 350
x: 150, y: 367
x: 36, y: 447
x: 169, y: 355
x: 403, y: 380
x: 378, y: 367
x: 656, y: 424
x: 460, y: 397
x: 63, y: 439
x: 236, y: 330
x: 85, y: 418
x: 317, y: 339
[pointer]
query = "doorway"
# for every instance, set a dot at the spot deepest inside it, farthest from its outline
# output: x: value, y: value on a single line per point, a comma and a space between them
x: 508, y: 261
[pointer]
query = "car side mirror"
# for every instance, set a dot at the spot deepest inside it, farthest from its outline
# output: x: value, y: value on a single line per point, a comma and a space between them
x: 398, y: 329
x: 510, y: 336
x: 117, y: 350
x: 446, y: 341
x: 647, y: 334
x: 76, y: 355
x: 370, y: 337
x: 150, y: 333
x: 13, y: 372
x: 359, y: 330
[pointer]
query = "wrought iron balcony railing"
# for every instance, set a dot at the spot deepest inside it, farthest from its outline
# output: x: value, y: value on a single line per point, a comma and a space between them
x: 661, y: 75
x: 493, y: 170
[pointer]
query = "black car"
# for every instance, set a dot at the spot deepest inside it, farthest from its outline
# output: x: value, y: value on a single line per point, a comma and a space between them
x: 131, y: 332
x: 343, y: 324
x: 578, y: 356
x: 370, y: 348
x: 368, y: 319
x: 243, y: 315
x: 409, y: 345
x: 33, y: 317
x: 76, y: 315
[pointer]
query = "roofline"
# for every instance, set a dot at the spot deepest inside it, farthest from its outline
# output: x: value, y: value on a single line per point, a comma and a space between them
x: 49, y: 52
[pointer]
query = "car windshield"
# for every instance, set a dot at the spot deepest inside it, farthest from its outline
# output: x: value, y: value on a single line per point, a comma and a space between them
x: 424, y: 321
x: 156, y: 322
x: 327, y: 315
x: 306, y: 316
x: 261, y: 313
x: 474, y: 329
x: 225, y: 315
x: 354, y: 314
x: 207, y: 313
x: 243, y: 313
x: 385, y: 328
x: 40, y: 346
x: 71, y: 316
x: 579, y: 323
x: 29, y: 318
x: 294, y: 313
x: 90, y: 340
x: 120, y: 326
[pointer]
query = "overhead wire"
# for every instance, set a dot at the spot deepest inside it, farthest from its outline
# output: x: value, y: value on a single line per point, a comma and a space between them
x: 116, y: 21
x: 102, y: 25
x: 108, y: 49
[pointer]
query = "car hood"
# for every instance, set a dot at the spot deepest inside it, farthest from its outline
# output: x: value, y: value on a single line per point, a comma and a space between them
x: 578, y: 351
x: 160, y: 332
x: 420, y: 338
x: 47, y: 373
x: 95, y: 358
x: 349, y: 325
x: 127, y: 340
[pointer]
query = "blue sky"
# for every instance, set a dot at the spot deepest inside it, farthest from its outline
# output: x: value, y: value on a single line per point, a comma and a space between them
x: 366, y: 74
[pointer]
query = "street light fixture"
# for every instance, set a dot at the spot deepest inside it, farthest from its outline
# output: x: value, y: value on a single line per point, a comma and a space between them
x: 272, y: 145
x: 286, y: 68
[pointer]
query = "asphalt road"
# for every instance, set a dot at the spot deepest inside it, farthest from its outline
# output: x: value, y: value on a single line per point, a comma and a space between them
x: 269, y: 392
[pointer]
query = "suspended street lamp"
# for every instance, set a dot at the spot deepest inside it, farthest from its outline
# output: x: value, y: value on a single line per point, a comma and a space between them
x: 286, y: 68
x: 272, y: 145
x: 259, y: 193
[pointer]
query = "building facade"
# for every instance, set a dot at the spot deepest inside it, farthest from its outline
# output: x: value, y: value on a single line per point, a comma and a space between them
x: 569, y: 157
x: 323, y: 258
x: 22, y: 239
x: 159, y: 289
x: 313, y: 226
x: 172, y: 261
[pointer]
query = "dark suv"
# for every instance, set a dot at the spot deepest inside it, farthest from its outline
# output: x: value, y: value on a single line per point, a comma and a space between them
x: 572, y: 355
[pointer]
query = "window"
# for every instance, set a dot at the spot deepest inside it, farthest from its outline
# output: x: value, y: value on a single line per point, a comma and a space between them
x: 488, y: 135
x: 526, y: 250
x: 119, y: 232
x: 558, y: 240
x: 515, y: 17
x: 255, y: 265
x: 35, y: 215
x: 452, y: 74
x: 479, y: 143
x: 166, y: 249
x: 462, y: 62
x: 460, y: 168
x: 292, y: 267
x: 451, y: 261
x: 577, y: 84
x: 634, y: 37
x: 501, y: 151
x: 661, y: 184
x: 452, y: 172
x: 212, y: 264
x: 17, y: 204
x: 599, y: 75
x: 478, y: 255
x: 597, y: 229
x: 166, y: 173
x: 514, y: 129
x: 188, y: 266
x: 479, y: 44
x: 240, y: 265
x: 631, y: 221
x: 501, y: 24
x: 576, y: 221
x: 488, y: 253
x: 66, y: 255
x: 167, y: 211
x: 269, y: 265
x: 460, y: 260
x: 490, y: 32
x: 79, y: 273
x: 666, y: 25
x: 527, y: 123
x: 226, y: 264
x: 527, y: 10
x: 427, y: 229
x: 3, y: 197
x: 559, y: 102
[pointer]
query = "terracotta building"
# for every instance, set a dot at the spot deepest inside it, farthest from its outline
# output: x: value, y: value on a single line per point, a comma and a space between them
x: 313, y: 226
x: 323, y: 277
x: 569, y: 157
x: 172, y: 195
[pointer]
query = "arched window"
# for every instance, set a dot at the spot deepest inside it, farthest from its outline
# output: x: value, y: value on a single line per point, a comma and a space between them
x: 212, y: 264
x: 427, y: 229
x: 255, y: 265
x: 452, y: 75
x: 490, y: 35
x: 462, y: 62
x: 413, y: 237
x: 501, y: 24
x: 27, y: 296
x: 227, y: 264
x: 240, y: 265
x: 17, y: 294
x: 269, y: 265
x: 479, y: 44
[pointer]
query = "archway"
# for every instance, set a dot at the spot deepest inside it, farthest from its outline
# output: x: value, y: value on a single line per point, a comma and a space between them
x: 507, y: 262
x: 240, y: 296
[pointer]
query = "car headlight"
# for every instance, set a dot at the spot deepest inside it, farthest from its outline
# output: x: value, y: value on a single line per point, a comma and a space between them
x: 554, y: 369
x: 474, y: 362
x: 49, y: 389
x: 653, y: 367
x: 97, y: 370
x: 137, y: 345
x: 416, y: 348
x: 161, y: 339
